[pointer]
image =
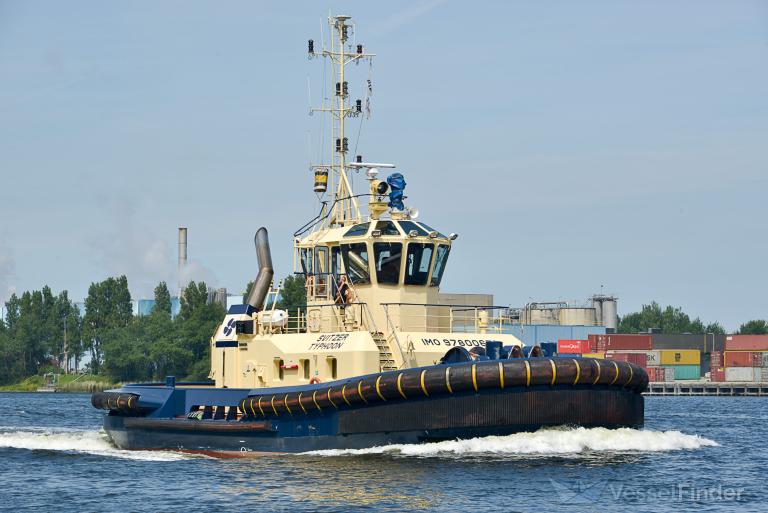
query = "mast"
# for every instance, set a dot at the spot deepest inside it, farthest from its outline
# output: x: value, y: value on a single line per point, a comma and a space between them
x: 345, y: 207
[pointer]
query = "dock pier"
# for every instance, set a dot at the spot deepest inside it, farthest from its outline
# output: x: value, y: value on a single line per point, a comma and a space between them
x: 708, y: 388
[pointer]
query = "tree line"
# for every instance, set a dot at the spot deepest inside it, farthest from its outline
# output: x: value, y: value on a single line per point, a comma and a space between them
x: 40, y: 328
x: 674, y: 321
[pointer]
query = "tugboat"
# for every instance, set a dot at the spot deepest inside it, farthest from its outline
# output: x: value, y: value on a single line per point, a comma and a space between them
x: 376, y: 357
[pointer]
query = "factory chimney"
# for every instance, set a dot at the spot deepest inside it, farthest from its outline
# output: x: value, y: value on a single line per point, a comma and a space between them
x: 182, y: 257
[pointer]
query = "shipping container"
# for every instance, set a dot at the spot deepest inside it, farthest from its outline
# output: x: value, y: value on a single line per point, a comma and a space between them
x: 717, y: 374
x: 573, y: 346
x: 764, y: 374
x: 746, y: 343
x: 617, y: 342
x: 765, y: 359
x: 656, y: 374
x: 684, y: 372
x: 716, y: 359
x: 680, y: 357
x: 743, y: 359
x: 653, y: 358
x: 669, y: 374
x: 638, y: 358
x: 532, y: 334
x: 743, y: 374
x: 704, y: 343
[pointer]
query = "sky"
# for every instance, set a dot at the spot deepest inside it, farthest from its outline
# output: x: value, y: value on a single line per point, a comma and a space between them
x: 575, y: 147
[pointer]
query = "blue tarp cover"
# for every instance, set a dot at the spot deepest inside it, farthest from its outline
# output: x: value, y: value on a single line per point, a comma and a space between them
x: 396, y: 183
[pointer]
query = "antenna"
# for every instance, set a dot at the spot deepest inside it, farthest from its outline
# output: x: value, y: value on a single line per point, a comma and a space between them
x: 346, y: 209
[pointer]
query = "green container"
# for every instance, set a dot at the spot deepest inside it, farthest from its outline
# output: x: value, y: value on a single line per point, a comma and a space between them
x: 686, y: 371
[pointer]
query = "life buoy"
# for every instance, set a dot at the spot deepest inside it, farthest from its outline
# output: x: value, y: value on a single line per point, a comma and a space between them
x: 315, y: 380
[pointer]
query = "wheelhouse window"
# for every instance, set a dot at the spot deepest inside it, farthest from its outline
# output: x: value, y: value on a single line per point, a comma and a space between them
x: 441, y: 257
x: 357, y: 230
x: 306, y: 260
x: 409, y: 226
x: 417, y: 262
x: 430, y: 229
x: 387, y: 258
x: 355, y: 257
x: 387, y: 228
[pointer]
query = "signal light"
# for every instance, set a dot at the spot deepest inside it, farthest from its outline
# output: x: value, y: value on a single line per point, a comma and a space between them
x: 359, y: 49
x: 359, y: 105
x: 338, y: 89
x: 344, y: 88
x: 311, y: 45
x: 338, y: 145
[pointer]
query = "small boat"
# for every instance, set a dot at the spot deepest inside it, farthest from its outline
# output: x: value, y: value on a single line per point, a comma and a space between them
x: 375, y: 357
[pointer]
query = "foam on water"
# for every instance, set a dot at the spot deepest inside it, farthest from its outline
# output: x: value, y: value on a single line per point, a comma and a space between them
x: 73, y: 441
x: 547, y: 442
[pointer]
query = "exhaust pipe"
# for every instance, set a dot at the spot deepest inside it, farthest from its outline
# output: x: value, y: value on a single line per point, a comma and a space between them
x: 264, y: 279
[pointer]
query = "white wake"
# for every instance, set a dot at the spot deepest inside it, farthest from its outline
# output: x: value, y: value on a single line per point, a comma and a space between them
x: 547, y: 442
x: 88, y: 442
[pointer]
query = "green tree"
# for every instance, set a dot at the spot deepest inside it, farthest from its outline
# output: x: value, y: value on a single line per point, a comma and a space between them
x: 196, y: 323
x: 668, y: 320
x: 714, y: 327
x: 162, y: 300
x: 293, y: 295
x: 193, y: 298
x: 247, y: 291
x: 754, y: 327
x: 107, y: 310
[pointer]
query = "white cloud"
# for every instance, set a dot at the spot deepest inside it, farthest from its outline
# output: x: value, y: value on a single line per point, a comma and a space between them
x: 134, y: 249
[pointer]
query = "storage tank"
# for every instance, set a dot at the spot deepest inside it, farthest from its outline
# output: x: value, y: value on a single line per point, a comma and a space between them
x: 578, y: 316
x: 606, y: 308
x: 543, y: 316
x: 610, y: 317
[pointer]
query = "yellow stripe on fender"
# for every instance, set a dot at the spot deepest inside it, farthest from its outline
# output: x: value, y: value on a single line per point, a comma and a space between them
x: 329, y: 399
x: 527, y: 373
x: 616, y: 365
x: 448, y: 379
x: 260, y: 408
x: 597, y: 378
x: 360, y: 391
x: 302, y: 406
x: 423, y: 386
x: 273, y: 405
x: 131, y: 399
x: 631, y: 373
x: 314, y: 400
x: 578, y: 371
x: 399, y: 387
x: 378, y: 390
x: 252, y: 408
x: 474, y: 376
x: 501, y: 376
x: 554, y: 372
x: 285, y: 400
x: 344, y: 394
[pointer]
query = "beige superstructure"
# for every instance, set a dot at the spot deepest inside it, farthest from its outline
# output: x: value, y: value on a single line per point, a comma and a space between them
x: 372, y: 282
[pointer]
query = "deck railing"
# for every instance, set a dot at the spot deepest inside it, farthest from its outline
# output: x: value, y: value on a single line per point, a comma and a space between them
x: 443, y: 318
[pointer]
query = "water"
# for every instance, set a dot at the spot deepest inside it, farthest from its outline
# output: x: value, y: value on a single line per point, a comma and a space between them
x: 696, y: 454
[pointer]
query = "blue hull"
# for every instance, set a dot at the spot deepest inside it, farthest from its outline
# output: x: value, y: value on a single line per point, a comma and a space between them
x: 371, y: 411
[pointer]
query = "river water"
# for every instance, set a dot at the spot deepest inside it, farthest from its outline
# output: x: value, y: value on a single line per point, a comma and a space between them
x: 695, y: 454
